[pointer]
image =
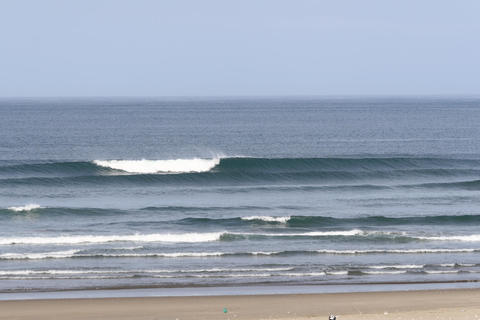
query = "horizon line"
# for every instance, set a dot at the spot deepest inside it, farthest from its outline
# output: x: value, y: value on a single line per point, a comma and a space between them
x: 266, y: 96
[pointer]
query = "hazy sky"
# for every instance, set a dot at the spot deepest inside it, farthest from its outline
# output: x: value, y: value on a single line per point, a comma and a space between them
x: 208, y: 48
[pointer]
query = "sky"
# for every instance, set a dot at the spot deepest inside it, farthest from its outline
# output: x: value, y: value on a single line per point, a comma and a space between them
x: 238, y: 48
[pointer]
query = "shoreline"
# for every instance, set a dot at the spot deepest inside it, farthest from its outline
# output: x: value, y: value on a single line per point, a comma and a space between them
x: 426, y: 304
x: 234, y: 290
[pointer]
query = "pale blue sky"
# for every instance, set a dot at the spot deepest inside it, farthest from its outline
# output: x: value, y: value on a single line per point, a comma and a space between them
x: 210, y: 48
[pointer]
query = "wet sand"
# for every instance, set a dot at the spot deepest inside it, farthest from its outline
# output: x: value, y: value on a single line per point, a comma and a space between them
x: 433, y: 304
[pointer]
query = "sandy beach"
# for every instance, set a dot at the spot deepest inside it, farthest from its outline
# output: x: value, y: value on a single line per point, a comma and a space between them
x: 435, y: 304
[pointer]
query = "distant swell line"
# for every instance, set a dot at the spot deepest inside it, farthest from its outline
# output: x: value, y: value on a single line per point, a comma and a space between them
x: 245, y: 163
x: 325, y: 221
x: 231, y: 170
x: 346, y: 182
x: 289, y: 221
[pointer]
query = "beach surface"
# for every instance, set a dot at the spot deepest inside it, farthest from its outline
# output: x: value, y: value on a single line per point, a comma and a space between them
x: 433, y: 304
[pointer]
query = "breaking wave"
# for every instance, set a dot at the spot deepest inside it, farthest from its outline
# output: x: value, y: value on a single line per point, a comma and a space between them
x: 27, y: 207
x: 266, y: 219
x: 195, y: 237
x: 160, y: 166
x: 85, y: 239
x: 345, y: 172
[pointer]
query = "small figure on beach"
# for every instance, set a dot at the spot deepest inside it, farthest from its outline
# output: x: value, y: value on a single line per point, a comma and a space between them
x: 332, y: 317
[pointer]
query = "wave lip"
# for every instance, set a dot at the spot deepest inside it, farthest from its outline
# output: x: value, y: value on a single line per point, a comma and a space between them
x: 160, y: 166
x: 27, y: 207
x: 79, y: 239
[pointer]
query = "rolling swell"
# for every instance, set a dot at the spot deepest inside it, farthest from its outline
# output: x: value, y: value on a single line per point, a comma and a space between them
x: 346, y: 180
x: 241, y: 164
x: 323, y: 221
x: 54, y: 169
x: 60, y: 211
x: 294, y: 221
x: 238, y: 171
x: 342, y: 164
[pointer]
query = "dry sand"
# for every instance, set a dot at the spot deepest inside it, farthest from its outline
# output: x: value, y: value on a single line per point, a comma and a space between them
x: 435, y: 304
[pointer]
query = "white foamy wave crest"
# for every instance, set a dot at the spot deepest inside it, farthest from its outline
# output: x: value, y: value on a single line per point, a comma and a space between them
x: 354, y: 232
x: 215, y: 270
x: 467, y: 238
x: 57, y: 277
x: 337, y: 273
x: 79, y: 239
x: 234, y: 275
x: 452, y: 265
x: 302, y: 274
x: 109, y: 271
x: 346, y: 233
x: 384, y: 272
x: 36, y: 256
x: 396, y: 251
x: 160, y: 166
x: 264, y: 253
x: 466, y: 264
x: 61, y: 272
x: 398, y: 266
x: 27, y: 207
x: 263, y: 275
x: 158, y: 255
x: 189, y: 254
x: 76, y: 254
x: 267, y: 219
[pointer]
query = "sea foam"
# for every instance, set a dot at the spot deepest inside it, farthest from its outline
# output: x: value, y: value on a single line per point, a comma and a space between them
x: 346, y: 233
x: 384, y: 272
x: 40, y: 255
x: 399, y: 266
x: 396, y: 251
x: 267, y: 219
x: 160, y: 166
x: 27, y: 207
x: 79, y: 239
x: 466, y: 238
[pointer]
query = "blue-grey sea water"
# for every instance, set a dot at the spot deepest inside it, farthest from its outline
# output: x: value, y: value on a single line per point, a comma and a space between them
x: 110, y: 192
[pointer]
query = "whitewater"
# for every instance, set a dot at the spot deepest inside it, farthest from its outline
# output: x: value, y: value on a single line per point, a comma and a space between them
x: 160, y: 166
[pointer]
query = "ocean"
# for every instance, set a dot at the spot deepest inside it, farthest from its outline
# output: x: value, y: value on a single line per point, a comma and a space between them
x: 190, y: 192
